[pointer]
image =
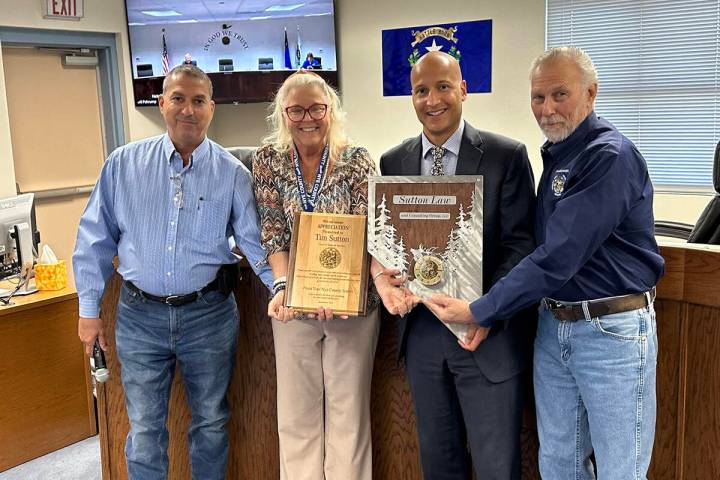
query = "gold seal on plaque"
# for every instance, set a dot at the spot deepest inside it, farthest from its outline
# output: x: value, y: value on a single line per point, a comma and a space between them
x: 429, y: 270
x: 330, y: 257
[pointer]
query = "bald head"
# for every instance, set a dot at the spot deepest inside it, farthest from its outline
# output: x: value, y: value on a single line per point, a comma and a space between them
x: 436, y: 60
x: 438, y: 91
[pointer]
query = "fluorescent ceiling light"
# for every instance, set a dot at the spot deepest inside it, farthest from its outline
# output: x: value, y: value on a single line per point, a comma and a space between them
x: 317, y: 14
x: 135, y: 24
x: 260, y: 18
x: 161, y: 13
x: 187, y: 21
x: 284, y: 8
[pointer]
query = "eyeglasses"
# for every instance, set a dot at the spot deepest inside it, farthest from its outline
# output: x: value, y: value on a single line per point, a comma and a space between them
x: 178, y: 196
x: 296, y: 113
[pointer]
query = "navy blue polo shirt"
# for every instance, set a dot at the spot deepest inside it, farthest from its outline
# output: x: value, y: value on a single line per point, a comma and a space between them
x: 594, y: 226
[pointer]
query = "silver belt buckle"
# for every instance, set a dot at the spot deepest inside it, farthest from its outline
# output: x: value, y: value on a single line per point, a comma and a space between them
x: 171, y: 299
x: 551, y: 304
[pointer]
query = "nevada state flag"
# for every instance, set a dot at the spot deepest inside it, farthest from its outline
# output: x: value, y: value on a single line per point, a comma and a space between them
x: 469, y: 42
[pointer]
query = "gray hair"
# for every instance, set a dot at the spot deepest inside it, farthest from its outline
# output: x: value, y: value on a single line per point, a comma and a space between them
x: 575, y: 54
x: 189, y: 71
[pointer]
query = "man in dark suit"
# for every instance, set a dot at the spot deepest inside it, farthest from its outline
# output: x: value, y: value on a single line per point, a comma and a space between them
x: 464, y: 398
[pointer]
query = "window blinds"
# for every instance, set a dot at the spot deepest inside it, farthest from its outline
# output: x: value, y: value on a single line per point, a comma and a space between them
x: 658, y: 64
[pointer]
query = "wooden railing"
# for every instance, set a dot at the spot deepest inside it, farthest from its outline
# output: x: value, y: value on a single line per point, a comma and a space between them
x: 688, y: 426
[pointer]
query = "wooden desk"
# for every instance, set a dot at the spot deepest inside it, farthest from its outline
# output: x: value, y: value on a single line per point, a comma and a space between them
x: 688, y: 425
x: 46, y: 400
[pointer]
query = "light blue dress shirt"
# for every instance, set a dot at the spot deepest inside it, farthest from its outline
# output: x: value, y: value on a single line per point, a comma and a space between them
x: 452, y: 151
x: 168, y: 225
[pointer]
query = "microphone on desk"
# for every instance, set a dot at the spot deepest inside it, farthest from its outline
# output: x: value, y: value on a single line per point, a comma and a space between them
x: 98, y: 364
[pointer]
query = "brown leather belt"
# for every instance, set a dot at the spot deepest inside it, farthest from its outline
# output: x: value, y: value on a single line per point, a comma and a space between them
x: 573, y: 311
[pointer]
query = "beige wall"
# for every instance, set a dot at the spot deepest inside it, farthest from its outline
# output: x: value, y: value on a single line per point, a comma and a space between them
x: 680, y: 208
x: 376, y: 122
x: 379, y: 123
x: 38, y: 135
x: 107, y: 16
x: 7, y: 168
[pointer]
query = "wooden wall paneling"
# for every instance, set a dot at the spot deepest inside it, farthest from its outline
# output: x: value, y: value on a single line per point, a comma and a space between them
x: 672, y: 285
x: 702, y: 424
x: 112, y: 416
x: 663, y: 465
x: 253, y: 421
x: 396, y: 454
x: 688, y: 423
x: 46, y: 401
x: 702, y: 284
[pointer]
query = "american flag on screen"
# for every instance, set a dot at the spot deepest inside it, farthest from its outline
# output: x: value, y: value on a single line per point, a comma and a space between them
x: 165, y: 58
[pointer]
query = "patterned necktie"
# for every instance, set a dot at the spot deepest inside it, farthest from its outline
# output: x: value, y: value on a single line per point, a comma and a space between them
x: 437, y: 165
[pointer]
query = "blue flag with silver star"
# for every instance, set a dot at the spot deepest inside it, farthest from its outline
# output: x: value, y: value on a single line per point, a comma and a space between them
x: 469, y: 42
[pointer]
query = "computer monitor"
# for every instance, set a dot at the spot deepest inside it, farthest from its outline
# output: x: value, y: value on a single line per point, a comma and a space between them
x: 19, y: 238
x: 225, y: 64
x: 145, y: 70
x: 265, y: 63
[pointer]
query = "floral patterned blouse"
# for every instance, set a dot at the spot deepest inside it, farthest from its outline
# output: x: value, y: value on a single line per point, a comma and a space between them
x: 344, y: 190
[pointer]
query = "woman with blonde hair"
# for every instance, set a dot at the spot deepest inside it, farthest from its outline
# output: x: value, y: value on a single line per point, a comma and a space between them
x: 324, y: 363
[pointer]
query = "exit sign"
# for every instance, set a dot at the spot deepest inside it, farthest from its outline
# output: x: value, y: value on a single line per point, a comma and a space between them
x: 64, y: 9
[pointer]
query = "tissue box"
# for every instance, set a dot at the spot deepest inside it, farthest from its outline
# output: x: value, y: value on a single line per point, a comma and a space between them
x: 51, y: 276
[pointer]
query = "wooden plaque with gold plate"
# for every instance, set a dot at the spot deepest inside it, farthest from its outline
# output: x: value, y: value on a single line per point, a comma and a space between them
x: 328, y: 264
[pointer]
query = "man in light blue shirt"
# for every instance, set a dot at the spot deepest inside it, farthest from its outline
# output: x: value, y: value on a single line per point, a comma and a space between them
x: 166, y: 206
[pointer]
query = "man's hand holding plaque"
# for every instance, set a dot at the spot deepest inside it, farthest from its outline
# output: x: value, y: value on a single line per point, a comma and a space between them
x: 454, y: 310
x: 390, y: 285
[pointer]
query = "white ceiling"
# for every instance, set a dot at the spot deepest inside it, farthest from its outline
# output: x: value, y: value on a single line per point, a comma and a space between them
x: 221, y: 10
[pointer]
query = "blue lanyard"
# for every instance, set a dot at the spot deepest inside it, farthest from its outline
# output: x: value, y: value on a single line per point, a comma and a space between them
x: 308, y: 204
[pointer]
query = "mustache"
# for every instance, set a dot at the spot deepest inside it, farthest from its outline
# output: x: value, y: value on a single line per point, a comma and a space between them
x: 552, y: 119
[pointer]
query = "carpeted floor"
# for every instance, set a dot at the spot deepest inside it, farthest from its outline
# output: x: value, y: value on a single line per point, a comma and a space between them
x: 80, y: 461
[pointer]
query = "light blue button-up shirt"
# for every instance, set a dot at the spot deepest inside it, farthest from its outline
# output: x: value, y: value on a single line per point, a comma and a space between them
x: 450, y: 157
x: 168, y: 225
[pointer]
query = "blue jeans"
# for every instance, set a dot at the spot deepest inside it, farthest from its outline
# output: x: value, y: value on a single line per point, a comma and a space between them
x: 151, y: 338
x: 595, y: 391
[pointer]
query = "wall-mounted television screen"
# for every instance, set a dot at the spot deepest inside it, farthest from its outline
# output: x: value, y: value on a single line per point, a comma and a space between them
x: 247, y: 47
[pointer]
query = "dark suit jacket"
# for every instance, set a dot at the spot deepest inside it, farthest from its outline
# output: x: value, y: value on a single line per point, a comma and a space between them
x: 509, y: 217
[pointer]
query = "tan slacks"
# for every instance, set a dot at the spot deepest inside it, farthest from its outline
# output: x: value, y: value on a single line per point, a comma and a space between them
x: 323, y: 397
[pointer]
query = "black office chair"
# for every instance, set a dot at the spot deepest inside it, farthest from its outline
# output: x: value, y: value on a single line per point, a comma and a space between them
x: 707, y: 228
x: 244, y: 154
x: 265, y: 63
x: 225, y: 64
x: 144, y: 70
x: 318, y: 63
x: 673, y: 229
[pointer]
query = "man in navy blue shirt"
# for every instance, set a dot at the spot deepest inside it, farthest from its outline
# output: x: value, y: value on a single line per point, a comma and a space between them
x: 594, y: 271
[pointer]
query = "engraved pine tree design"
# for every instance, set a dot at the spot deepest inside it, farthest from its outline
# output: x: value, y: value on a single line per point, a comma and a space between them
x: 390, y: 250
x: 386, y: 249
